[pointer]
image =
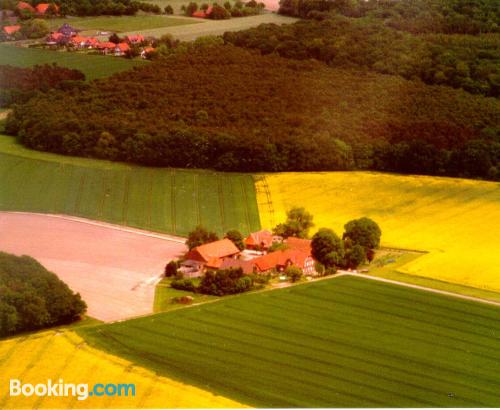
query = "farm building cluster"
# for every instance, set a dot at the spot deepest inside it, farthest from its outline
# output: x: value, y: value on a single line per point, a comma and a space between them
x: 257, y: 257
x: 70, y: 37
x: 10, y: 18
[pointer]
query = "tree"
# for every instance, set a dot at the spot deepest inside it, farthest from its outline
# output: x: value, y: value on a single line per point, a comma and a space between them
x: 364, y: 232
x: 199, y: 237
x: 114, y: 38
x: 327, y: 248
x: 298, y: 223
x: 171, y: 269
x: 35, y: 28
x: 236, y: 237
x: 191, y: 8
x: 294, y: 273
x: 219, y: 13
x: 169, y: 9
x: 227, y: 6
x: 355, y: 256
x: 225, y: 282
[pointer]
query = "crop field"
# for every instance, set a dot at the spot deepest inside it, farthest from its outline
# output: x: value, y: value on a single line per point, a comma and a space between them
x: 343, y: 342
x: 93, y: 66
x: 215, y: 27
x: 54, y: 355
x: 455, y: 220
x: 164, y: 200
x: 120, y: 24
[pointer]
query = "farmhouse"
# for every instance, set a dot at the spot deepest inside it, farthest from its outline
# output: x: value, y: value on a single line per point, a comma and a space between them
x: 299, y: 244
x: 11, y: 30
x: 146, y: 51
x: 134, y: 39
x: 203, y: 14
x: 212, y: 254
x: 121, y: 49
x: 42, y: 8
x: 23, y: 6
x: 261, y: 240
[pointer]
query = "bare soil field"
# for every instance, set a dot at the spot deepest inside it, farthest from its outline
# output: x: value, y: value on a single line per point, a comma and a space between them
x: 115, y: 269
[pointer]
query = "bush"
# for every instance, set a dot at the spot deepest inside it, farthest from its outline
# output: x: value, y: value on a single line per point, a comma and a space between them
x: 184, y: 284
x: 200, y: 236
x: 33, y: 298
x: 294, y: 273
x: 225, y: 282
x: 171, y: 269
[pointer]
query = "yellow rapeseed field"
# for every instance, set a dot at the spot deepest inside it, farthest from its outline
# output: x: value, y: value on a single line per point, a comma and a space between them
x: 64, y: 355
x: 457, y: 221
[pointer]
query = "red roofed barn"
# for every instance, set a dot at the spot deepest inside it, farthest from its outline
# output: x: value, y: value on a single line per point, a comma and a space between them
x: 259, y: 240
x: 213, y: 254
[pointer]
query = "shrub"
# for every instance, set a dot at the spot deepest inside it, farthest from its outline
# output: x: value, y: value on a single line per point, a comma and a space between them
x: 171, y: 268
x: 225, y: 282
x: 184, y: 284
x: 294, y: 273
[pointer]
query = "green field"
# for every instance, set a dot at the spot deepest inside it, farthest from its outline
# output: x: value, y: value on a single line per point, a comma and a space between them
x: 344, y: 342
x: 120, y: 24
x: 159, y: 199
x: 93, y: 66
x: 164, y: 294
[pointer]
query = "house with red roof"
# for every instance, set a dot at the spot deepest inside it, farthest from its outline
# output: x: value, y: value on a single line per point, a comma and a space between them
x: 23, y: 6
x: 121, y: 49
x: 78, y: 41
x: 106, y: 47
x: 260, y: 240
x: 146, y: 51
x: 202, y: 13
x: 11, y: 30
x: 134, y: 39
x: 42, y: 8
x: 211, y: 255
x: 299, y: 244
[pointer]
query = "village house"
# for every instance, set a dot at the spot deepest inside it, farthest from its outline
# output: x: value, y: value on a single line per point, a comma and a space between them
x: 42, y: 8
x: 261, y: 240
x: 23, y: 6
x: 146, y: 51
x: 210, y: 255
x: 121, y: 49
x: 134, y: 39
x: 106, y: 47
x: 11, y: 30
x: 202, y: 13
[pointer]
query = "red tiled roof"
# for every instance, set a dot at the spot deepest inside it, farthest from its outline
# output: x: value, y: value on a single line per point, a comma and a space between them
x: 56, y: 36
x: 209, y: 251
x: 299, y: 244
x: 123, y: 47
x: 246, y: 266
x: 199, y: 14
x: 107, y: 44
x: 11, y: 29
x: 78, y: 39
x: 149, y: 49
x: 280, y: 258
x: 43, y: 7
x: 136, y: 38
x: 260, y: 238
x: 22, y: 5
x: 92, y: 41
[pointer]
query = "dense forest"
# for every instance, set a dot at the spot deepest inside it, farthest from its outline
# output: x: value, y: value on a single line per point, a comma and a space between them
x: 468, y: 62
x: 414, y: 16
x: 18, y: 84
x: 32, y: 297
x: 233, y: 109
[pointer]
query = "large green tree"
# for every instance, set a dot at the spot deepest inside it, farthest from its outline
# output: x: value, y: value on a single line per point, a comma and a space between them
x: 298, y: 223
x: 200, y: 236
x: 236, y: 237
x: 363, y: 231
x: 327, y: 248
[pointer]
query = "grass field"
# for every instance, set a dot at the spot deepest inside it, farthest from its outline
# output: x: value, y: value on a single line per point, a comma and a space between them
x: 456, y: 221
x: 120, y: 24
x: 93, y: 66
x: 164, y: 294
x: 335, y: 343
x: 158, y: 199
x: 63, y: 354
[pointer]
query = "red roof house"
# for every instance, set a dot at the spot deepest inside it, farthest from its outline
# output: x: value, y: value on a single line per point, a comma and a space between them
x: 213, y: 254
x: 121, y: 49
x: 202, y: 14
x: 9, y: 30
x: 22, y: 5
x: 300, y: 244
x: 259, y: 240
x: 42, y: 8
x: 134, y: 39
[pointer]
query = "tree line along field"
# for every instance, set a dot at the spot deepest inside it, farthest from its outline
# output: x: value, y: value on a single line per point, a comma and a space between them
x: 164, y: 200
x: 93, y: 66
x: 455, y: 220
x: 31, y: 359
x: 344, y: 342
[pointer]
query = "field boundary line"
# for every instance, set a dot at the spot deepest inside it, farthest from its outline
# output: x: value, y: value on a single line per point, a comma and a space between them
x: 247, y: 214
x: 108, y: 225
x: 411, y: 285
x: 173, y: 195
x: 126, y: 188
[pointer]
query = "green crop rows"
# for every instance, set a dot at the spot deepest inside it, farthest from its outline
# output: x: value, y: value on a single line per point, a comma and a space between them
x: 336, y: 343
x: 164, y: 200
